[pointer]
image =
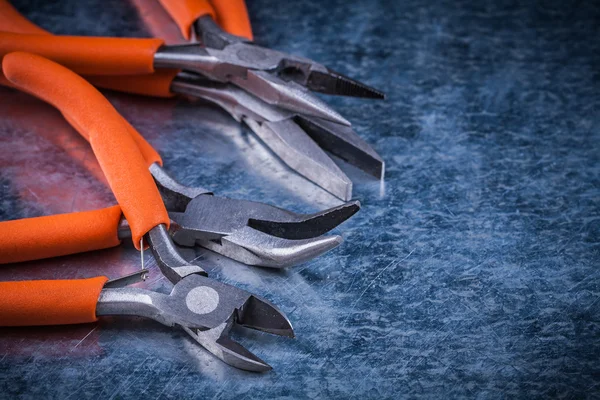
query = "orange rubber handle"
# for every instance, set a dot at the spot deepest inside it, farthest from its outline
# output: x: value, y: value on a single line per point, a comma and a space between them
x: 91, y: 114
x: 87, y: 55
x: 232, y: 16
x: 157, y: 84
x: 52, y: 302
x: 186, y: 12
x: 58, y: 235
x: 150, y: 155
x: 12, y: 21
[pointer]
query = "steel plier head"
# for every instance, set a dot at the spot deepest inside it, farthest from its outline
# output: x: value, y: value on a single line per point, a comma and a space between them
x: 257, y: 233
x: 207, y: 310
x: 275, y: 77
x: 268, y: 90
x: 289, y: 68
x: 298, y: 139
x: 250, y: 232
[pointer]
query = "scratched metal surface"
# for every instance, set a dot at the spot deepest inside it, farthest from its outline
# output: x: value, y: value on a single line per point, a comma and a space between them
x: 473, y: 270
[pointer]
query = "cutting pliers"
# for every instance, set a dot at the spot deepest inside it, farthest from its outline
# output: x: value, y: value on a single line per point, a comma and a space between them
x: 204, y: 308
x: 266, y: 89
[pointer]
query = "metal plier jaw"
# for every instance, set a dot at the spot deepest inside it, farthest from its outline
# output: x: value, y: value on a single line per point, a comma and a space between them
x: 206, y: 310
x: 250, y: 232
x: 295, y: 138
x: 288, y: 67
x: 277, y: 78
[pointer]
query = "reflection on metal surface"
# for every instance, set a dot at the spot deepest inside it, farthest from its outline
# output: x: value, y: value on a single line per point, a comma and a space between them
x: 130, y: 279
x: 258, y: 233
x: 170, y: 262
x: 300, y: 141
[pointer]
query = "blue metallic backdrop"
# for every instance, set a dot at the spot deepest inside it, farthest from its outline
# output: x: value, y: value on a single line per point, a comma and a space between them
x: 472, y: 271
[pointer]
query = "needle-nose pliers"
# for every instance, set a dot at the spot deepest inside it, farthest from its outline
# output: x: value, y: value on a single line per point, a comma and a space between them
x: 273, y: 100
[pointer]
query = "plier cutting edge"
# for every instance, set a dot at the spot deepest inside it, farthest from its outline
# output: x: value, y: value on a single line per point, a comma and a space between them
x: 266, y: 89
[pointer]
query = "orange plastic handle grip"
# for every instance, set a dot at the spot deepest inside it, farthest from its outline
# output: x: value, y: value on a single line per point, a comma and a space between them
x: 116, y: 150
x: 185, y: 12
x: 233, y: 17
x: 58, y: 235
x: 52, y: 302
x: 150, y: 155
x: 87, y: 55
x: 156, y: 85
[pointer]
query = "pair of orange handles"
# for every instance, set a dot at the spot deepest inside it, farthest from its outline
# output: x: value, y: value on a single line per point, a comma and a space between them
x: 88, y: 112
x: 124, y: 157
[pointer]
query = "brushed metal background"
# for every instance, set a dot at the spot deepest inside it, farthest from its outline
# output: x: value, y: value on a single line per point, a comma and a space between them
x: 472, y: 270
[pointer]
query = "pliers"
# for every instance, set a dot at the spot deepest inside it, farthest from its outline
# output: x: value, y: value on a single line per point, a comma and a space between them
x: 266, y: 89
x: 204, y: 308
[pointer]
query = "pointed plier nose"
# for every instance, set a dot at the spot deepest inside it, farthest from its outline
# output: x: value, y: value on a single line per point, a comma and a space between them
x: 298, y: 140
x: 277, y: 78
x: 257, y: 233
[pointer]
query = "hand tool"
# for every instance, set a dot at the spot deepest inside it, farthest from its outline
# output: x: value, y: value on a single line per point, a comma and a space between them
x: 126, y: 56
x: 247, y: 231
x: 296, y: 137
x: 204, y: 308
x: 224, y: 56
x: 274, y: 77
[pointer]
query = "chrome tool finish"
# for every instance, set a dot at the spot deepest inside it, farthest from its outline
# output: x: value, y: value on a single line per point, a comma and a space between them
x: 170, y: 262
x: 290, y: 143
x: 296, y: 139
x: 232, y: 65
x: 175, y: 195
x: 277, y: 78
x: 206, y: 310
x: 288, y: 67
x: 250, y: 232
x: 257, y: 233
x: 263, y: 87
